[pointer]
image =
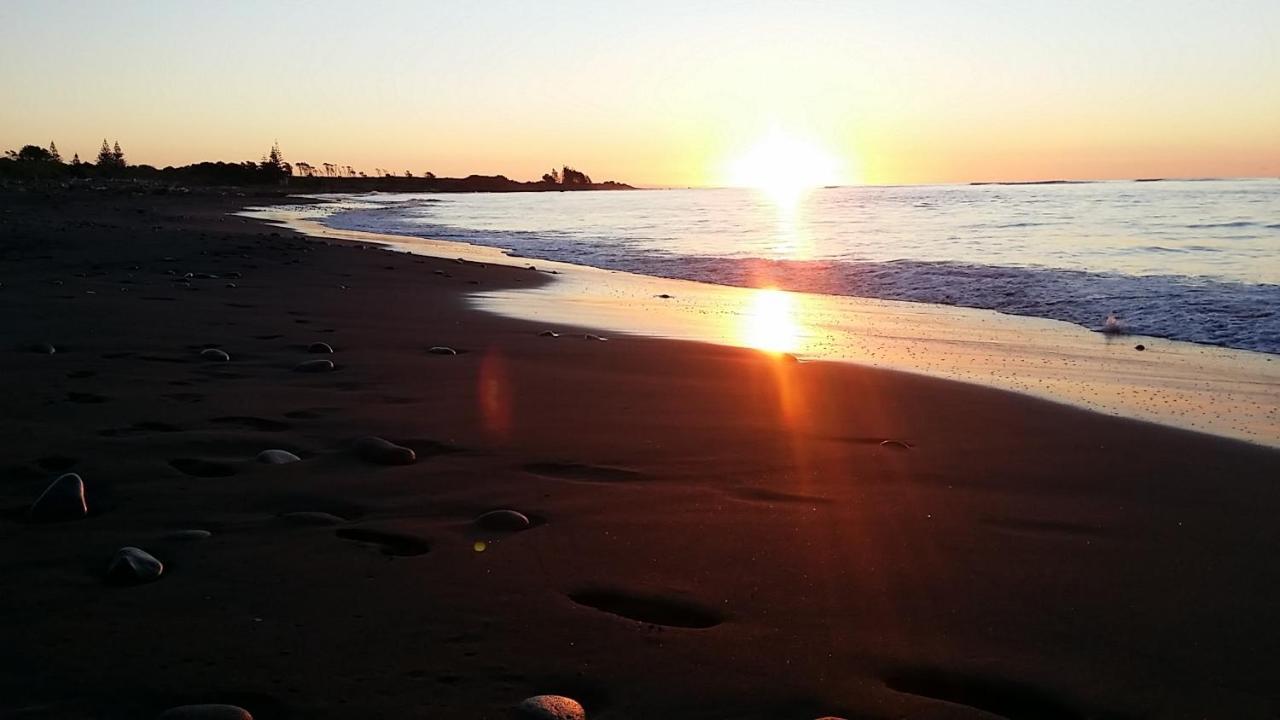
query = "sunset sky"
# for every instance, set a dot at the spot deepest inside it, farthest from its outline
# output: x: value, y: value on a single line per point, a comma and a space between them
x: 658, y: 93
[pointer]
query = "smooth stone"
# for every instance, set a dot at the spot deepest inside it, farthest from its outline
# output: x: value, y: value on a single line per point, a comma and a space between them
x: 43, y: 349
x: 593, y: 336
x: 187, y: 535
x: 504, y: 520
x: 1139, y: 348
x: 215, y: 355
x: 133, y: 565
x: 314, y: 366
x: 62, y: 500
x: 206, y: 712
x: 384, y: 452
x: 552, y: 707
x: 320, y: 347
x: 548, y: 333
x: 442, y: 350
x: 277, y: 457
x: 312, y: 517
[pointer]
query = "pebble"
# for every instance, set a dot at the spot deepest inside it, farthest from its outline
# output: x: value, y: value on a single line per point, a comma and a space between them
x: 206, y: 712
x: 62, y: 500
x: 384, y: 452
x: 593, y: 336
x: 442, y: 350
x: 187, y: 535
x: 132, y: 565
x: 552, y: 707
x: 215, y: 355
x: 277, y: 457
x: 1139, y: 348
x: 548, y: 333
x: 503, y: 520
x: 314, y: 366
x: 320, y: 347
x: 43, y: 349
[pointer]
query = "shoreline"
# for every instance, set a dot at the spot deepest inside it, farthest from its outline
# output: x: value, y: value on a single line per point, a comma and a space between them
x: 831, y: 538
x: 1221, y: 391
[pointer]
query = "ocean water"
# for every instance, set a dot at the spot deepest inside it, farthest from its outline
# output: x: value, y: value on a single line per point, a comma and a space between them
x: 1187, y: 260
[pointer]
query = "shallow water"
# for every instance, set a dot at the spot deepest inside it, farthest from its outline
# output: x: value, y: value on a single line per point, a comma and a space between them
x: 1186, y: 260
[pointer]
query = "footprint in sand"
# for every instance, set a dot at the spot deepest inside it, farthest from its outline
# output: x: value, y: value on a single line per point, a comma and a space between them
x: 652, y: 609
x: 582, y: 473
x: 196, y: 467
x: 993, y: 694
x: 391, y: 543
x: 251, y: 423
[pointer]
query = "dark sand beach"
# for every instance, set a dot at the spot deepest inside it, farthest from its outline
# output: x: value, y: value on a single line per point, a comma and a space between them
x: 715, y: 532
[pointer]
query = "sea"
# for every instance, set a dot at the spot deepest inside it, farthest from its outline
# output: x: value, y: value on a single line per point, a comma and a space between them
x: 1189, y: 260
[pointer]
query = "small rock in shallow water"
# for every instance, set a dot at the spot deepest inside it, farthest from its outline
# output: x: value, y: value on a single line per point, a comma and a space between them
x: 206, y: 712
x: 314, y: 366
x: 132, y: 565
x: 215, y: 355
x: 320, y: 347
x: 552, y: 707
x: 548, y: 333
x: 384, y: 452
x: 442, y: 350
x: 62, y: 500
x: 187, y: 535
x: 503, y: 520
x: 277, y: 457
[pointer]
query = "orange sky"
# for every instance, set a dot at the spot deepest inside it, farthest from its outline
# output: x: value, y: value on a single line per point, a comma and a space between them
x: 661, y: 94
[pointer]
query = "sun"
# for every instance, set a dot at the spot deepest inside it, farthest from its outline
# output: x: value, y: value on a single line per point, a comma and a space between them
x: 783, y: 167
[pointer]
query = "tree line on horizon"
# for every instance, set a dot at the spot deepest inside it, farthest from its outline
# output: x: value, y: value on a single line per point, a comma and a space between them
x: 34, y: 162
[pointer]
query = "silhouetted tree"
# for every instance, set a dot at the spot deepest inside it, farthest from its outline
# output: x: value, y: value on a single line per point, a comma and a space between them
x: 429, y: 175
x: 117, y: 155
x: 53, y: 152
x: 75, y: 160
x: 30, y: 154
x: 569, y: 176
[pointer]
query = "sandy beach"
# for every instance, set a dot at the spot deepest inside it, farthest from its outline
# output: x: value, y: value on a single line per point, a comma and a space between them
x: 714, y: 532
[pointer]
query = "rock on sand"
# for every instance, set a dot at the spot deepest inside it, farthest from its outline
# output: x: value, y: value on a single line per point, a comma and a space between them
x: 314, y: 366
x: 277, y: 457
x: 215, y: 355
x: 62, y: 500
x: 551, y: 707
x: 384, y: 452
x: 132, y: 565
x: 503, y: 520
x: 320, y: 347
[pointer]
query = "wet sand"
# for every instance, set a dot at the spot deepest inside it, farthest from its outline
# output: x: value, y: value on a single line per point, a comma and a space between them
x: 716, y: 532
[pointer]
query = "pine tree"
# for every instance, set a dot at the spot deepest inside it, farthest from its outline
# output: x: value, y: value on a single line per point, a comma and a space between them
x: 117, y: 155
x: 75, y: 159
x: 105, y: 158
x: 53, y: 152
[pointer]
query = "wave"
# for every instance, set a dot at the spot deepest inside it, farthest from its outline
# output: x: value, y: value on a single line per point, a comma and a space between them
x: 1195, y: 309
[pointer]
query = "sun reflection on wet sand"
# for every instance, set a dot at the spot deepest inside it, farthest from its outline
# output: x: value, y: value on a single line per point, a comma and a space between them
x: 769, y: 323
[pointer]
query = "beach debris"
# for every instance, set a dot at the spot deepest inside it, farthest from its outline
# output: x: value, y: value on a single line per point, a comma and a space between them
x: 43, y: 349
x: 277, y: 457
x: 593, y: 336
x: 189, y: 535
x: 1139, y: 347
x: 503, y: 520
x: 215, y: 355
x: 230, y: 285
x: 664, y: 296
x: 548, y: 333
x: 320, y: 347
x: 206, y: 712
x: 314, y: 366
x: 442, y: 350
x: 896, y: 443
x: 384, y: 452
x: 132, y: 566
x: 313, y: 517
x: 62, y: 500
x: 551, y: 707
